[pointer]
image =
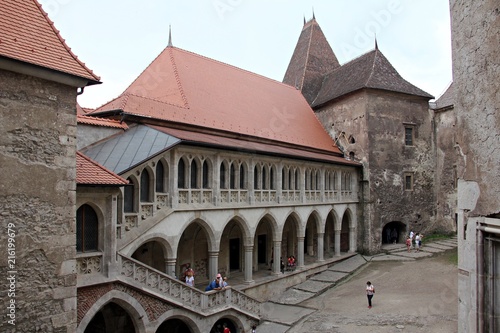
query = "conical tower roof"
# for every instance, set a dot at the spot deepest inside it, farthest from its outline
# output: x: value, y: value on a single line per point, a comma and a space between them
x: 311, y: 60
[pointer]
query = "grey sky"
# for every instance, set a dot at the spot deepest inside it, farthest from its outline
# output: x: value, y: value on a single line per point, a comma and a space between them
x: 118, y: 39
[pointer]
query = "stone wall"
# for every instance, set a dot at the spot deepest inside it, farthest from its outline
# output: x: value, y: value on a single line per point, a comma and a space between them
x: 448, y: 162
x: 37, y: 199
x: 371, y: 124
x: 476, y: 69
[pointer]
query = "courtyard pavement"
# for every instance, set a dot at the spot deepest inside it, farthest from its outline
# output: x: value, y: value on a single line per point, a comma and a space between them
x: 282, y: 311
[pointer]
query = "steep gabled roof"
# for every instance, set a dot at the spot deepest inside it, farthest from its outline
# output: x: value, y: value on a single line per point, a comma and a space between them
x: 28, y: 35
x: 311, y: 59
x: 89, y: 172
x: 371, y: 70
x: 185, y: 88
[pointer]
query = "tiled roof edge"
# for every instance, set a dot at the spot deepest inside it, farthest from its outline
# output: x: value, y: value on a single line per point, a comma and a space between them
x: 63, y: 42
x: 111, y: 173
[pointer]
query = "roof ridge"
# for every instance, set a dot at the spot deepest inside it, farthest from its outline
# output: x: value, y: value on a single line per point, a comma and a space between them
x: 177, y: 77
x: 373, y: 67
x: 235, y: 67
x: 156, y: 100
x: 307, y: 53
x: 63, y: 41
x: 121, y: 179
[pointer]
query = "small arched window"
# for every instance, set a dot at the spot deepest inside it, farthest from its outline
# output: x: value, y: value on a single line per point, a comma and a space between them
x: 181, y: 174
x: 264, y: 179
x: 205, y: 175
x: 145, y: 186
x: 87, y: 229
x: 222, y: 175
x: 242, y: 177
x: 296, y: 179
x: 255, y: 178
x: 232, y: 177
x: 271, y: 179
x: 160, y: 175
x: 128, y: 197
x: 194, y: 174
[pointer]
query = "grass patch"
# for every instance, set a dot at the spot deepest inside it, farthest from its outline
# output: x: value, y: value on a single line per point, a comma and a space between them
x: 453, y: 257
x: 435, y: 237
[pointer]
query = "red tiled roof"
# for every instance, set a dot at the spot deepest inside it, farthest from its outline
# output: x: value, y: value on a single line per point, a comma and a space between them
x: 28, y: 35
x: 89, y: 172
x: 311, y: 59
x: 88, y: 120
x: 183, y: 87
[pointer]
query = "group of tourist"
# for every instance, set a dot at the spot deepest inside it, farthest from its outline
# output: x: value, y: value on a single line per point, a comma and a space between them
x: 414, y: 238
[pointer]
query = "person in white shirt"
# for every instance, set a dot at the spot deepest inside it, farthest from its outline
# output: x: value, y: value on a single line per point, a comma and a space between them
x: 190, y: 277
x: 417, y: 242
x: 370, y: 290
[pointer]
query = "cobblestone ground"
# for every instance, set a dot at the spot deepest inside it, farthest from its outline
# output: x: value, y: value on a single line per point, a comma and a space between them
x: 411, y: 296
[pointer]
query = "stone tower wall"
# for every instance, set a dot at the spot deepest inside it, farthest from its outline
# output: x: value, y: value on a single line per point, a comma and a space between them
x: 37, y: 204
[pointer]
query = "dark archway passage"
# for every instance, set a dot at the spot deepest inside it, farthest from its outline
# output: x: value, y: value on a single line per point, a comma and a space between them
x: 219, y: 326
x: 151, y: 254
x: 173, y: 326
x: 344, y: 234
x: 394, y: 232
x: 112, y: 318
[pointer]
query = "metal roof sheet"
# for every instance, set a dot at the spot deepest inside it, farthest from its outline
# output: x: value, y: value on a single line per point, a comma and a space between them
x: 121, y: 152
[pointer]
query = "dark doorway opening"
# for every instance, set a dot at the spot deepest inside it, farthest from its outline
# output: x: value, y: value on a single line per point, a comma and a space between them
x: 173, y: 326
x: 234, y: 254
x: 111, y: 318
x: 262, y: 250
x: 394, y: 232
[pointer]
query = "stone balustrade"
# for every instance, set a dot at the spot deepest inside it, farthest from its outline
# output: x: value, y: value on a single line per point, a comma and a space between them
x: 173, y: 290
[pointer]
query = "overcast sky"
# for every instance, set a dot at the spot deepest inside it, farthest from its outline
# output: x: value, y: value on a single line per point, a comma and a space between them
x: 118, y: 39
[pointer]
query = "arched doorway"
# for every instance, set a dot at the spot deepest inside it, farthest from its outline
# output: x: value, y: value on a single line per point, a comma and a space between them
x: 231, y: 248
x: 193, y: 250
x: 394, y: 232
x: 311, y: 239
x: 344, y: 234
x: 329, y: 238
x: 151, y: 254
x: 112, y: 318
x: 263, y: 240
x: 219, y: 326
x: 173, y: 326
x: 289, y: 238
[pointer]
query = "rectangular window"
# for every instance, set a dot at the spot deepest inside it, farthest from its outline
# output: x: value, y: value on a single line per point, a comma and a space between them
x: 409, y: 135
x: 408, y: 178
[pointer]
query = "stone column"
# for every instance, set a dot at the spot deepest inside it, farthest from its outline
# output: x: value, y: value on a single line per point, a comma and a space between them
x: 248, y: 264
x: 300, y: 252
x: 321, y: 247
x: 276, y: 256
x: 337, y: 242
x: 352, y: 239
x: 170, y: 266
x: 213, y: 264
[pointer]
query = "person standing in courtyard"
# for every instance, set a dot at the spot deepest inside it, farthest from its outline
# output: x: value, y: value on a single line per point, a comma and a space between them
x: 370, y: 290
x: 417, y: 242
x: 408, y: 243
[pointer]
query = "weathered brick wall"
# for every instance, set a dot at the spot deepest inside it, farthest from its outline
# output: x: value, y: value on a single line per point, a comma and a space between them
x: 476, y: 71
x: 37, y: 196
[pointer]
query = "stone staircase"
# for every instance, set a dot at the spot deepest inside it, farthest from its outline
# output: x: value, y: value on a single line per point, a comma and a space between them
x: 154, y: 282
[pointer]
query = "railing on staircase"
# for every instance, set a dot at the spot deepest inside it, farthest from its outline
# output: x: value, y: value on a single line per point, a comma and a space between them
x: 180, y: 293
